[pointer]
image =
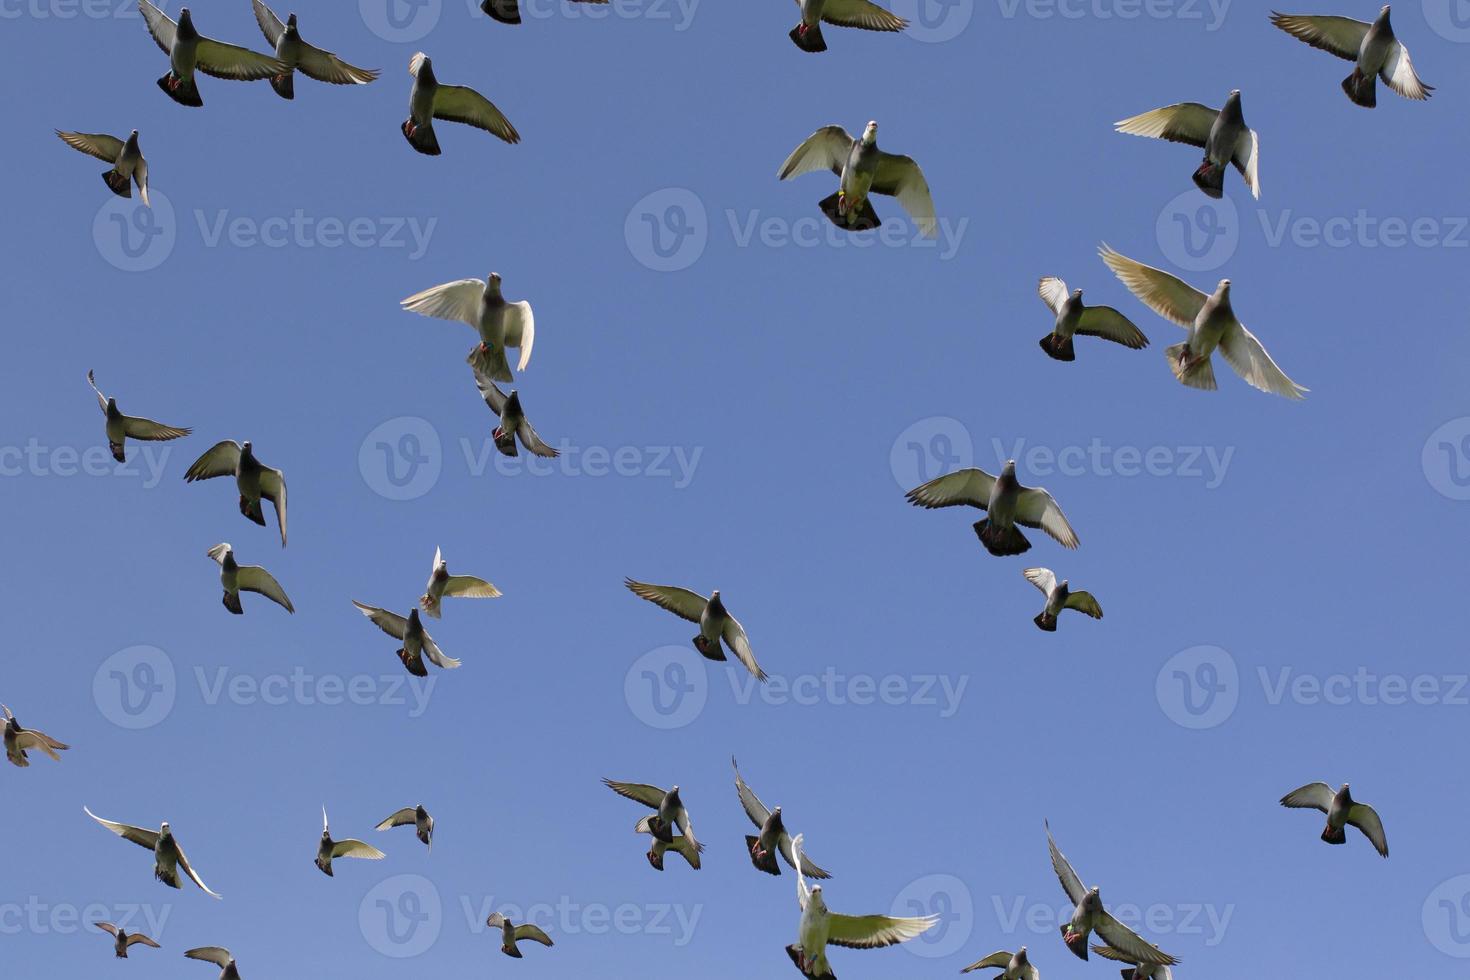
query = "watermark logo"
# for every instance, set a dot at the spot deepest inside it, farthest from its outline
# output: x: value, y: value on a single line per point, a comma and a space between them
x: 1207, y: 921
x: 400, y: 21
x: 1446, y: 917
x: 1450, y: 19
x: 948, y: 899
x: 935, y: 21
x: 1198, y: 233
x: 1209, y: 13
x: 132, y: 237
x: 929, y: 449
x: 1446, y: 459
x: 667, y: 688
x: 135, y: 688
x: 401, y: 458
x: 401, y: 916
x: 1199, y: 688
x: 668, y: 230
x: 41, y: 918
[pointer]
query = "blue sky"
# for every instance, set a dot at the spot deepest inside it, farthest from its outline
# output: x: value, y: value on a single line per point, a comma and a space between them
x: 742, y: 400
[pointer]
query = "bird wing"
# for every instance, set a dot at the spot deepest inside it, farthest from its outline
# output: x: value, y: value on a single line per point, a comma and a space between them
x: 159, y: 24
x: 874, y: 931
x: 1000, y: 958
x: 217, y: 955
x: 436, y: 656
x: 456, y: 103
x: 803, y: 894
x: 459, y: 300
x: 1121, y: 938
x: 1109, y: 324
x: 970, y: 487
x: 681, y: 845
x: 151, y: 431
x: 1071, y: 884
x: 757, y: 811
x: 137, y: 938
x: 901, y: 177
x: 808, y: 867
x: 861, y: 13
x: 1036, y: 508
x: 138, y: 835
x: 681, y: 602
x: 650, y: 796
x: 1313, y: 796
x: 1250, y: 360
x: 1399, y: 73
x: 1109, y: 953
x: 103, y: 147
x: 270, y: 24
x: 106, y: 927
x: 1084, y: 602
x: 493, y: 396
x: 193, y: 876
x: 1043, y: 578
x: 1053, y: 293
x: 1168, y: 296
x: 101, y: 398
x: 221, y: 60
x: 1341, y: 36
x: 391, y: 623
x: 273, y: 488
x: 739, y: 644
x: 352, y: 848
x: 221, y: 459
x: 253, y: 578
x: 1184, y: 122
x: 1247, y: 160
x: 1365, y: 818
x: 826, y: 149
x: 520, y: 330
x: 533, y: 932
x: 686, y: 827
x: 469, y: 587
x: 533, y: 442
x: 324, y: 66
x: 399, y: 818
x: 32, y: 739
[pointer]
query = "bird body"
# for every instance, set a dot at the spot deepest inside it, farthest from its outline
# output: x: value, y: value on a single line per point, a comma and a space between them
x: 862, y: 169
x: 412, y: 816
x: 511, y: 934
x: 715, y: 622
x: 1059, y: 596
x: 807, y: 34
x: 296, y: 54
x: 253, y: 479
x: 1006, y: 504
x: 122, y: 939
x: 189, y: 50
x: 120, y: 427
x: 1073, y: 318
x: 1374, y: 49
x: 1342, y: 811
x: 168, y: 856
x: 1089, y: 916
x: 429, y: 100
x: 482, y: 305
x: 19, y: 740
x: 1222, y: 134
x: 442, y: 584
x: 418, y: 645
x: 327, y: 849
x: 236, y: 578
x: 127, y: 160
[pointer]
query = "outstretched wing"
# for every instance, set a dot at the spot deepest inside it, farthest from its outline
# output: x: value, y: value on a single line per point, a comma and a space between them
x: 221, y: 459
x: 1109, y: 324
x: 969, y: 487
x: 520, y: 330
x: 458, y: 300
x: 138, y: 835
x: 1085, y: 603
x: 103, y: 147
x: 874, y: 931
x: 391, y: 623
x: 1365, y: 818
x: 469, y: 587
x: 1071, y: 884
x: 159, y: 24
x: 399, y: 818
x: 1043, y: 578
x: 1036, y: 508
x: 1313, y: 796
x: 1053, y: 293
x: 1399, y: 73
x: 456, y: 103
x: 231, y: 61
x: 193, y: 876
x: 681, y: 602
x: 826, y: 149
x: 739, y: 644
x: 151, y: 431
x: 273, y: 488
x: 863, y: 14
x: 532, y: 932
x: 253, y: 578
x: 352, y: 848
x: 1341, y: 36
x: 900, y: 177
x: 757, y: 811
x: 1168, y: 296
x: 1186, y: 122
x: 1126, y: 941
x: 270, y: 24
x: 650, y: 796
x: 1250, y: 360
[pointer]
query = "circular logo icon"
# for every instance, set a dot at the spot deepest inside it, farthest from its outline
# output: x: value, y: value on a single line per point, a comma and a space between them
x: 133, y: 237
x: 1450, y: 19
x: 1446, y: 459
x: 667, y: 688
x: 667, y: 231
x: 135, y: 688
x: 948, y: 899
x: 928, y: 449
x: 1199, y: 688
x: 935, y: 21
x: 401, y: 459
x: 401, y: 916
x: 400, y: 21
x: 1446, y: 917
x: 1198, y: 233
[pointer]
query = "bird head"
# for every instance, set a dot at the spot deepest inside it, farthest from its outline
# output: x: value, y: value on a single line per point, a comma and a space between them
x: 247, y: 446
x: 421, y: 62
x: 1223, y: 289
x: 493, y: 279
x: 1062, y: 585
x: 870, y: 133
x: 291, y: 23
x: 413, y: 618
x: 1076, y: 294
x: 1010, y: 468
x: 163, y: 830
x: 133, y: 134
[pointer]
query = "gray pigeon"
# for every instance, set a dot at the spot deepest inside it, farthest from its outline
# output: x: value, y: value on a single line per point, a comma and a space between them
x: 328, y: 849
x: 1222, y: 134
x: 122, y: 939
x: 1059, y: 597
x: 499, y: 323
x: 453, y: 103
x: 670, y: 811
x: 1372, y: 48
x: 1012, y: 966
x: 442, y: 584
x: 510, y: 934
x: 1211, y: 323
x: 1006, y: 504
x: 168, y: 856
x: 120, y: 427
x: 1090, y: 916
x: 715, y: 621
x: 513, y: 422
x: 1136, y: 971
x: 417, y: 643
x: 188, y: 50
x: 862, y: 169
x: 128, y: 162
x: 312, y: 61
x: 412, y: 816
x: 509, y: 11
x: 1342, y: 810
x: 1074, y: 319
x: 807, y: 34
x: 253, y: 479
x: 237, y: 578
x: 220, y: 957
x: 18, y: 740
x: 773, y: 838
x: 679, y: 845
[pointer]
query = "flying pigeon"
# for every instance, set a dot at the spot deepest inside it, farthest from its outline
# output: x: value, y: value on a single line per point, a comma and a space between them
x: 715, y: 623
x: 671, y: 812
x: 1012, y: 966
x: 510, y: 934
x: 1372, y: 47
x: 1073, y: 318
x: 807, y: 34
x: 128, y: 162
x: 1137, y: 971
x: 220, y: 957
x: 1222, y: 134
x: 1341, y: 811
x: 122, y: 939
x: 679, y: 845
x: 120, y: 427
x: 442, y: 584
x: 237, y: 578
x: 417, y: 643
x: 821, y: 927
x: 187, y: 50
x: 773, y: 838
x: 312, y: 61
x: 509, y: 11
x: 453, y: 103
x: 480, y: 304
x: 513, y: 422
x: 254, y: 479
x: 1090, y: 916
x: 329, y: 849
x: 412, y: 816
x: 168, y: 856
x: 1211, y: 323
x: 1059, y: 597
x: 862, y: 169
x: 1006, y: 504
x: 18, y: 740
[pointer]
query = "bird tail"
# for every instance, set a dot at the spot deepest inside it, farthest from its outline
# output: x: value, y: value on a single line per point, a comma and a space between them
x: 1001, y: 541
x: 708, y: 650
x: 285, y: 85
x: 421, y: 138
x: 1338, y: 836
x: 119, y: 185
x: 864, y: 220
x: 814, y: 970
x: 252, y: 510
x: 1077, y: 944
x: 766, y: 863
x: 1058, y: 348
x: 511, y: 949
x: 655, y: 858
x: 505, y: 442
x: 491, y: 363
x: 1362, y: 89
x: 118, y: 452
x: 1198, y: 373
x: 1210, y: 178
x: 1046, y: 621
x: 504, y: 11
x: 809, y: 39
x: 232, y: 603
x: 182, y: 91
x: 430, y: 605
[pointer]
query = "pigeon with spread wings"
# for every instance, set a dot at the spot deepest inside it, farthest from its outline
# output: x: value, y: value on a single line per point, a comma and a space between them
x: 19, y: 740
x: 220, y: 957
x: 864, y: 14
x: 500, y: 324
x: 122, y: 427
x: 1342, y: 811
x: 513, y: 422
x: 670, y: 809
x: 1075, y: 319
x: 715, y: 622
x: 168, y: 856
x: 511, y: 934
x: 253, y: 479
x: 1090, y: 916
x: 297, y: 55
x: 237, y: 578
x: 1222, y: 134
x: 122, y: 939
x: 328, y: 849
x: 773, y: 838
x: 188, y: 50
x: 1006, y: 504
x: 442, y: 585
x: 417, y: 643
x: 430, y: 100
x: 1012, y: 966
x: 412, y: 816
x: 862, y: 169
x: 128, y: 162
x: 1373, y: 49
x: 1059, y: 596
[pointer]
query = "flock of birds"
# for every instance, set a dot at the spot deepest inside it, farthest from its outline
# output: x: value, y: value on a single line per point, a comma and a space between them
x: 863, y: 170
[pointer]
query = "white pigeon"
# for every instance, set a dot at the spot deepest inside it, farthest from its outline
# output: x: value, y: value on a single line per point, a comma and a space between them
x: 862, y: 169
x: 1222, y: 134
x: 442, y: 584
x: 1211, y: 323
x: 417, y: 643
x: 429, y: 100
x: 253, y: 479
x: 1006, y: 504
x: 311, y: 61
x: 1342, y: 811
x: 188, y: 50
x: 1012, y: 966
x: 864, y: 14
x: 220, y: 957
x: 481, y: 305
x: 715, y: 621
x: 1058, y: 597
x: 328, y: 849
x: 820, y: 927
x: 121, y: 427
x: 168, y: 856
x: 1090, y: 916
x: 1075, y: 319
x: 128, y: 162
x: 237, y: 578
x: 1373, y: 49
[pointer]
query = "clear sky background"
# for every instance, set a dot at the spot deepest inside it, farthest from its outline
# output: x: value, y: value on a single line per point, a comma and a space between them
x: 1282, y: 581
